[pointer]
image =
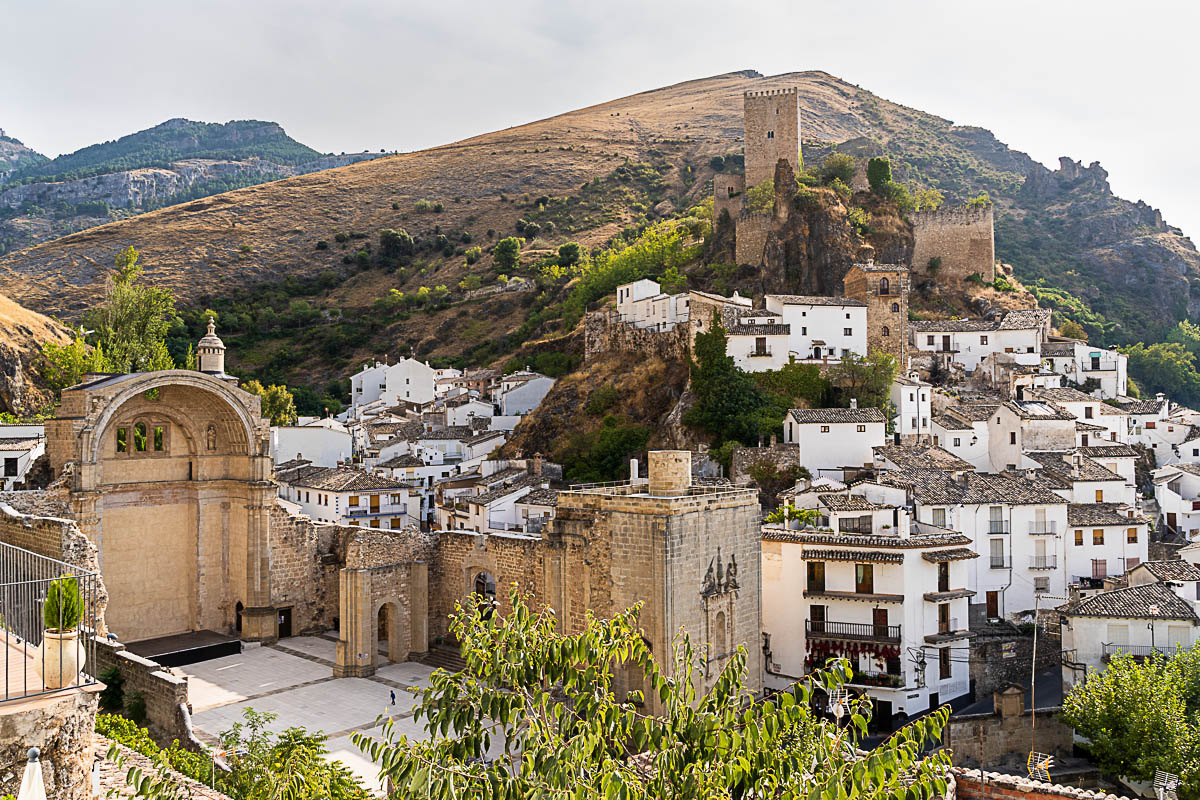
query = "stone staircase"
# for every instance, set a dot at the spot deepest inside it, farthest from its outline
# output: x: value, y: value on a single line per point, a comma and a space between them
x: 445, y: 656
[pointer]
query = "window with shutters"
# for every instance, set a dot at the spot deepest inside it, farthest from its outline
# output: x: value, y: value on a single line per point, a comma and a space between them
x: 1078, y: 537
x: 1098, y: 536
x: 945, y: 665
x: 1131, y: 536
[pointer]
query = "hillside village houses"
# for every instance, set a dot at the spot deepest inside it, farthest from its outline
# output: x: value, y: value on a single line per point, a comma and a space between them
x: 20, y: 446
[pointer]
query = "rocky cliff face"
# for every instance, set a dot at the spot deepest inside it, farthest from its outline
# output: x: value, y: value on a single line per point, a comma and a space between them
x: 14, y: 155
x: 22, y: 334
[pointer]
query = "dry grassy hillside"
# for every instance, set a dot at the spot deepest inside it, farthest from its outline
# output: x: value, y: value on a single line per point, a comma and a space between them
x: 220, y: 244
x: 22, y: 333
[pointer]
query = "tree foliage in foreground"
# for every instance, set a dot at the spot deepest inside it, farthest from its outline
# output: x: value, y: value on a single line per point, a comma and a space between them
x: 543, y: 705
x: 1140, y: 717
x: 278, y: 405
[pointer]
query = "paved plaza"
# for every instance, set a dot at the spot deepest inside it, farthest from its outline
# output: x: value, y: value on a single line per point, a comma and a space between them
x: 294, y: 679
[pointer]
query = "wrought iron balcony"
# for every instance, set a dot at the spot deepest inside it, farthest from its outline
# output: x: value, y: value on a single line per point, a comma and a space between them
x: 852, y: 631
x: 760, y: 353
x: 1043, y: 528
x: 1000, y: 562
x: 886, y: 680
x: 1135, y: 650
x: 999, y: 526
x: 1043, y: 562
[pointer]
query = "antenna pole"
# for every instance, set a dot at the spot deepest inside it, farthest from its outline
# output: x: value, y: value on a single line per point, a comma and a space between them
x: 1037, y: 599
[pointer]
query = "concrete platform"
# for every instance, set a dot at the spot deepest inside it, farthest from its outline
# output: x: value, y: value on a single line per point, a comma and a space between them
x: 186, y: 648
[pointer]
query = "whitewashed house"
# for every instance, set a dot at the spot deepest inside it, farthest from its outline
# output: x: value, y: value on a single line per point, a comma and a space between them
x: 1104, y: 539
x: 324, y: 442
x: 965, y: 432
x: 349, y: 496
x: 407, y: 379
x: 1080, y: 362
x: 820, y: 328
x: 464, y: 408
x: 1168, y: 433
x: 643, y: 304
x: 1107, y: 424
x: 1136, y: 620
x: 831, y: 439
x: 20, y: 446
x: 1177, y: 492
x: 759, y: 341
x: 1183, y: 578
x: 521, y: 392
x: 914, y: 410
x: 893, y: 599
x: 969, y: 341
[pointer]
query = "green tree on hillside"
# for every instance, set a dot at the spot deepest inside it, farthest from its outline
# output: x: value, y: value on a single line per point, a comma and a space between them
x: 760, y: 199
x: 728, y: 404
x: 1167, y: 367
x: 866, y: 379
x: 278, y: 405
x: 552, y: 702
x: 396, y: 243
x: 130, y: 324
x: 839, y: 167
x: 879, y: 174
x: 507, y: 253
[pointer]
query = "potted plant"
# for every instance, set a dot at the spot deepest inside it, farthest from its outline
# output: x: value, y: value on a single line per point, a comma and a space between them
x: 60, y: 656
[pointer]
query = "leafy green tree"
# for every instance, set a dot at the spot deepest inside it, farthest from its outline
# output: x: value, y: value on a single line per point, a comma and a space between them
x: 879, y: 174
x: 1187, y: 334
x: 130, y: 324
x: 396, y: 243
x: 805, y: 516
x: 1167, y: 367
x: 728, y: 404
x: 602, y: 454
x: 278, y: 405
x: 507, y: 253
x: 470, y: 283
x: 838, y: 167
x: 65, y: 365
x: 927, y: 199
x: 981, y: 199
x: 1142, y: 716
x: 569, y: 254
x: 760, y: 199
x: 557, y: 705
x: 672, y: 281
x: 865, y: 379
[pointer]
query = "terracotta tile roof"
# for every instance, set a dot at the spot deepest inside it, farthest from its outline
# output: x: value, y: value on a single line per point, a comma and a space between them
x: 760, y: 330
x: 921, y: 457
x: 808, y: 416
x: 14, y: 445
x: 827, y: 537
x: 957, y: 554
x: 1132, y: 406
x: 406, y: 460
x: 810, y: 300
x: 1025, y: 320
x: 936, y: 488
x: 346, y: 479
x: 1063, y: 394
x: 848, y: 502
x: 505, y: 490
x: 1087, y: 426
x: 974, y: 412
x: 1102, y: 514
x: 1175, y: 570
x: 1058, y: 349
x: 1113, y: 450
x: 541, y: 497
x: 1151, y: 601
x: 460, y: 432
x: 877, y: 557
x: 953, y: 325
x: 951, y: 422
x: 873, y: 267
x: 1062, y: 465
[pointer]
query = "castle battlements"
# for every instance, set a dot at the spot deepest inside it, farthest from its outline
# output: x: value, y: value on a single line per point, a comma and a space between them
x: 771, y: 92
x: 962, y: 215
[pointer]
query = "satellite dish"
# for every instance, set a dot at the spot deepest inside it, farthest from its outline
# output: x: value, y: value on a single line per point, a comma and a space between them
x: 839, y: 703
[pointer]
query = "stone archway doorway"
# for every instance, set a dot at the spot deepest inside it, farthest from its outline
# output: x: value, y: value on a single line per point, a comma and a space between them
x: 484, y: 585
x: 388, y: 638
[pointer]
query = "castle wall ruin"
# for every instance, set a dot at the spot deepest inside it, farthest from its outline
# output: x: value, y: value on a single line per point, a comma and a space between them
x: 963, y: 238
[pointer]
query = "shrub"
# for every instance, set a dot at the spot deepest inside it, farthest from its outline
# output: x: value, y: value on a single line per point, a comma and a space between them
x: 245, y: 247
x: 859, y: 219
x: 717, y: 163
x: 760, y: 199
x: 64, y: 605
x: 340, y: 237
x: 602, y: 399
x: 112, y: 697
x: 519, y: 225
x: 395, y: 243
x: 473, y: 254
x: 981, y: 199
x: 1002, y: 284
x: 879, y: 174
x: 135, y: 707
x: 395, y: 206
x: 470, y: 283
x: 423, y: 206
x: 838, y: 166
x: 322, y: 245
x: 438, y: 207
x: 935, y: 264
x: 532, y: 229
x: 507, y: 253
x: 569, y: 254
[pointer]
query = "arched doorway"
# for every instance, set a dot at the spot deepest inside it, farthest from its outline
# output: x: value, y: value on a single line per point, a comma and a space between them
x: 816, y: 352
x: 484, y: 585
x: 388, y: 638
x: 237, y: 610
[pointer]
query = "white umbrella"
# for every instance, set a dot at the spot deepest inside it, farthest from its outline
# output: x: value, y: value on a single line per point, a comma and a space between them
x: 32, y: 786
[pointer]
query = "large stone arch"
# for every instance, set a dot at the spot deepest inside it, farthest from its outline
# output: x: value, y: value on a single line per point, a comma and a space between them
x: 182, y: 529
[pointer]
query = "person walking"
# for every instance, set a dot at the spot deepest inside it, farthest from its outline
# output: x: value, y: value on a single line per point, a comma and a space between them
x: 393, y: 697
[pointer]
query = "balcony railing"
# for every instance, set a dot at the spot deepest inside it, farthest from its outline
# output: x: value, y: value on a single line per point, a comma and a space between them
x: 381, y: 511
x: 999, y: 526
x: 1043, y: 528
x: 1000, y: 562
x: 858, y: 631
x: 1043, y: 562
x: 1135, y: 650
x: 846, y: 526
x: 25, y: 577
x: 760, y: 353
x: 886, y: 680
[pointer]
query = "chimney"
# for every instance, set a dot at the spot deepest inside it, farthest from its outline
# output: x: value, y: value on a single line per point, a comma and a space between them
x: 537, y: 465
x: 772, y: 440
x: 670, y: 472
x: 1030, y: 473
x: 854, y: 402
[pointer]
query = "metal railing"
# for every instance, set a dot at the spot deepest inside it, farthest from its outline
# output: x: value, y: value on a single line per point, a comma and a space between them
x: 381, y: 511
x: 1043, y: 527
x: 999, y: 562
x: 887, y: 680
x: 25, y: 578
x: 1135, y: 650
x: 1043, y: 562
x: 759, y: 353
x: 865, y: 631
x: 999, y: 526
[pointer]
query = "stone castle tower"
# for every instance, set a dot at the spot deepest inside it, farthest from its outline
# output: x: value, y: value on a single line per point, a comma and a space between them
x: 772, y: 132
x: 963, y: 238
x: 884, y: 288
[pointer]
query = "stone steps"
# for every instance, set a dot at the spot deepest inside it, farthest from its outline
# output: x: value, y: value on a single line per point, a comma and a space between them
x: 445, y: 657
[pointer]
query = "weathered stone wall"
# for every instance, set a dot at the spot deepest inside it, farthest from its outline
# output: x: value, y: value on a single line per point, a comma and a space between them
x: 993, y: 739
x: 63, y: 728
x: 772, y: 127
x: 604, y: 332
x: 304, y: 569
x: 999, y: 658
x: 752, y: 233
x: 781, y: 455
x: 887, y: 329
x: 462, y: 555
x: 963, y: 238
x: 168, y: 713
x: 727, y: 195
x: 112, y: 775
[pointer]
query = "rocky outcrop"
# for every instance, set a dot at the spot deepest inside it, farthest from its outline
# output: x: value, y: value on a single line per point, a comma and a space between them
x: 22, y: 334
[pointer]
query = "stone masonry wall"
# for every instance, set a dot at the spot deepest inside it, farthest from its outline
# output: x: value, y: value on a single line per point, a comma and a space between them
x: 991, y: 670
x: 779, y: 454
x: 862, y: 285
x: 752, y: 232
x: 461, y: 555
x: 963, y: 238
x: 991, y: 739
x: 604, y: 332
x: 772, y: 126
x: 302, y: 561
x: 728, y: 195
x: 168, y: 713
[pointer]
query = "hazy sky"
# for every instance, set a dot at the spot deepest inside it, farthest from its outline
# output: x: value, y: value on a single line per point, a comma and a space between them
x: 1107, y: 81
